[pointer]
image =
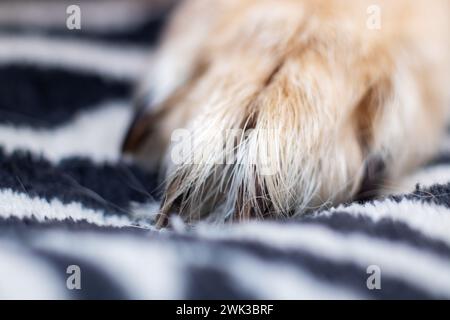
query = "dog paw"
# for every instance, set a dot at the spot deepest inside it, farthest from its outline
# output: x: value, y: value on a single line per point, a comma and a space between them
x: 282, y: 109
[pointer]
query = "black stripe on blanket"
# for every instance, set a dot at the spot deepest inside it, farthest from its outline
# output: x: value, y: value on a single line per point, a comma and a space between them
x: 99, y: 186
x: 437, y: 194
x: 44, y: 97
x: 210, y: 283
x: 96, y: 285
x: 442, y: 159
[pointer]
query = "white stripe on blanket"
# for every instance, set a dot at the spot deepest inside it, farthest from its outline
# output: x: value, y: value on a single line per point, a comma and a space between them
x: 24, y: 277
x: 79, y: 55
x: 96, y: 134
x: 21, y: 206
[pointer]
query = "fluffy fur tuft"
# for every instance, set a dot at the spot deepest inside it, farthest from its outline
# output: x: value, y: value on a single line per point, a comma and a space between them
x: 313, y: 93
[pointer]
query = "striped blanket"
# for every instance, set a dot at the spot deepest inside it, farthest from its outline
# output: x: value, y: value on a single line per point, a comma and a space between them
x: 76, y: 219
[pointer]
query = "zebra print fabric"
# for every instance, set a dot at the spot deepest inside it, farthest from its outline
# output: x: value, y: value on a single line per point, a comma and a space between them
x: 71, y: 206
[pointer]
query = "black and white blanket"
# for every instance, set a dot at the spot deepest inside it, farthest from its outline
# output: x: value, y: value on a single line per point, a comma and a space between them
x: 74, y: 214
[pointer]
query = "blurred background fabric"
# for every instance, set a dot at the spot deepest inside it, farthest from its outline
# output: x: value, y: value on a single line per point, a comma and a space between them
x: 68, y: 198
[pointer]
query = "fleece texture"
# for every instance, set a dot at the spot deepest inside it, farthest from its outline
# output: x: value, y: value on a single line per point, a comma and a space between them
x: 68, y: 198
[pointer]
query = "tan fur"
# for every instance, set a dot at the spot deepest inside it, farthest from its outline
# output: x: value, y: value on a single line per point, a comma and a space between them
x: 316, y: 91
